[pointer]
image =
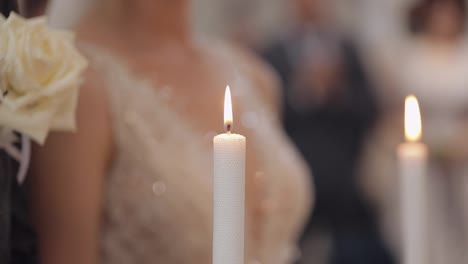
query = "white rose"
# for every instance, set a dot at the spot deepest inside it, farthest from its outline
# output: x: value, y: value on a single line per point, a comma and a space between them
x: 40, y: 73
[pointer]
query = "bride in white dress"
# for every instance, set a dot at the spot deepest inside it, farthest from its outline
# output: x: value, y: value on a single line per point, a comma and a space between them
x: 134, y: 185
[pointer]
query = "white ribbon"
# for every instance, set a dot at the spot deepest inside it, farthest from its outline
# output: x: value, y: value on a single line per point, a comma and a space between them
x: 22, y: 156
x: 25, y: 159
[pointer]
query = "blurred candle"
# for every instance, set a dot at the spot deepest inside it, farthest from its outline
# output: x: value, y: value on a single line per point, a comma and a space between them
x: 229, y: 192
x: 412, y: 157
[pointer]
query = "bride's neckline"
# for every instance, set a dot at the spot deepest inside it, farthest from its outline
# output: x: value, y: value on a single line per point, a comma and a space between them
x: 149, y: 42
x: 165, y: 92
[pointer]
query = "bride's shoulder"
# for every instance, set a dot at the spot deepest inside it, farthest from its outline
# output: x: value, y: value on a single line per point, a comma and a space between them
x: 106, y: 71
x: 93, y: 75
x: 93, y: 96
x: 99, y: 58
x: 93, y: 87
x: 264, y: 79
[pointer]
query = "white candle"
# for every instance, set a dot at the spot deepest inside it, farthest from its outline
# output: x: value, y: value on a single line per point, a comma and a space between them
x: 412, y: 157
x: 229, y: 192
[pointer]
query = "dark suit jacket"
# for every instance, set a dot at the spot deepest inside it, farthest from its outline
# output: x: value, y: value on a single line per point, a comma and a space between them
x: 6, y: 175
x: 18, y: 243
x: 330, y: 137
x: 6, y: 6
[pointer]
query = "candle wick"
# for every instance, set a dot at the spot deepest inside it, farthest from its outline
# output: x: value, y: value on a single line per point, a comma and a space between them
x: 228, y: 128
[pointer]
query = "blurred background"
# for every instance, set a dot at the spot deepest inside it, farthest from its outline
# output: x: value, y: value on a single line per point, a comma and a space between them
x: 345, y: 67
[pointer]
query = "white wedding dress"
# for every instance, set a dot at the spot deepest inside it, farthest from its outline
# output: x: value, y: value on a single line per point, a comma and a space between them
x: 158, y: 197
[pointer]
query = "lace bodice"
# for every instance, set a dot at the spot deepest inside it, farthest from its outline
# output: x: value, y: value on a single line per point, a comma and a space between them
x: 158, y: 198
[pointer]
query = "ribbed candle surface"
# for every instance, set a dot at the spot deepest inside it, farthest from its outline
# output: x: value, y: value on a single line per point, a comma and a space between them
x: 413, y: 185
x: 229, y: 199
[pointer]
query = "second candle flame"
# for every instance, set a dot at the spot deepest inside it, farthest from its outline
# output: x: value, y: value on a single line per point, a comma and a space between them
x: 228, y: 120
x: 413, y: 128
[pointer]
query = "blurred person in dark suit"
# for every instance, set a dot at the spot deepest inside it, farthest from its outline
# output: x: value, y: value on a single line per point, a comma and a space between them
x: 329, y: 110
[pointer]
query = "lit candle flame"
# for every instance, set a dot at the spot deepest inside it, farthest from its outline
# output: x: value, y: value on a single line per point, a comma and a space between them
x: 228, y: 110
x: 413, y: 128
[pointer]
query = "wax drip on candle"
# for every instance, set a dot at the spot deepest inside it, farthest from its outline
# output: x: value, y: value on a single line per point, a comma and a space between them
x: 228, y: 120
